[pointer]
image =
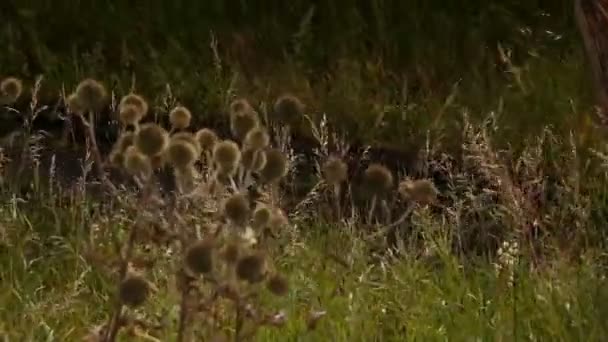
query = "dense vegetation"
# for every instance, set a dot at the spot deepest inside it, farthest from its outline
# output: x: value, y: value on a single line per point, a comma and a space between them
x: 299, y: 170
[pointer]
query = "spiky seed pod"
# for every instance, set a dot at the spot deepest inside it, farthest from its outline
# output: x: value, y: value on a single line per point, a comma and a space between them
x: 199, y: 256
x: 134, y: 100
x: 237, y: 210
x: 207, y: 139
x: 257, y: 138
x: 239, y: 105
x: 261, y: 217
x: 227, y: 154
x: 335, y: 171
x: 190, y: 138
x: 180, y: 117
x: 378, y: 179
x: 136, y: 163
x: 278, y: 285
x: 421, y: 191
x: 124, y: 141
x: 231, y: 252
x: 74, y: 105
x: 276, y: 166
x: 134, y: 290
x: 253, y: 160
x: 242, y: 122
x: 151, y: 139
x: 11, y: 88
x: 181, y: 154
x: 129, y: 115
x: 251, y: 268
x: 92, y: 94
x: 288, y: 107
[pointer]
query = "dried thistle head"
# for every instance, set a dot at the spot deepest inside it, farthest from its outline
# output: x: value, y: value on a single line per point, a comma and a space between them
x: 125, y: 140
x: 129, y: 115
x: 257, y: 138
x: 199, y: 256
x: 151, y: 139
x: 276, y: 166
x: 335, y: 171
x: 74, y: 105
x: 278, y: 285
x: 237, y: 210
x: 181, y: 154
x: 92, y: 94
x: 134, y: 100
x: 117, y: 158
x: 239, y: 105
x: 227, y: 156
x: 136, y: 163
x: 261, y: 217
x: 207, y: 139
x: 242, y: 122
x: 378, y: 179
x: 288, y: 107
x: 190, y: 138
x: 134, y: 290
x: 253, y: 160
x: 251, y: 268
x: 10, y: 89
x: 180, y: 117
x: 422, y: 191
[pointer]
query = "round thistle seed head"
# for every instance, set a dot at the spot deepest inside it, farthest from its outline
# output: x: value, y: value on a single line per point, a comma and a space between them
x: 288, y: 107
x: 74, y: 104
x: 207, y: 139
x: 117, y: 159
x: 180, y: 117
x: 261, y: 217
x: 129, y: 115
x: 136, y: 163
x: 231, y: 252
x: 278, y: 285
x: 134, y: 100
x: 124, y: 141
x: 378, y: 179
x: 190, y: 138
x: 276, y: 166
x: 151, y: 139
x: 158, y: 161
x: 251, y: 268
x: 253, y: 160
x: 335, y: 171
x: 257, y: 138
x: 242, y: 122
x: 181, y: 154
x: 237, y: 210
x: 92, y: 94
x: 239, y: 105
x: 134, y: 290
x: 199, y: 256
x: 421, y: 191
x: 227, y: 155
x: 11, y: 88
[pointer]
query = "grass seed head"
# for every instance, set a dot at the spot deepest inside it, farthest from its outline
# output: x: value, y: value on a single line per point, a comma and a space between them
x: 227, y: 155
x: 74, y: 105
x: 288, y: 107
x: 276, y: 166
x: 237, y: 210
x: 261, y: 217
x: 378, y: 179
x: 134, y: 100
x: 335, y: 171
x: 207, y: 139
x: 136, y: 163
x: 134, y: 290
x: 129, y: 115
x: 251, y: 268
x: 11, y: 88
x: 151, y: 139
x: 253, y: 160
x: 242, y: 122
x: 180, y: 117
x: 421, y: 191
x: 92, y: 94
x: 278, y: 285
x: 199, y: 256
x: 181, y: 154
x: 257, y: 138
